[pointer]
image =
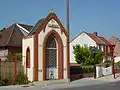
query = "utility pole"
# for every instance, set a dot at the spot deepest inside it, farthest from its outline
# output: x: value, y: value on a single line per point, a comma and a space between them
x: 68, y: 39
x: 67, y: 17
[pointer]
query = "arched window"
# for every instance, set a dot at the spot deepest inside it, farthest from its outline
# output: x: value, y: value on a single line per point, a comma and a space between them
x: 28, y: 58
x: 51, y: 51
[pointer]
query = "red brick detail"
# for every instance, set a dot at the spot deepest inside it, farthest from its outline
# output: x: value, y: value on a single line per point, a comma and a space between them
x: 35, y: 57
x: 60, y: 54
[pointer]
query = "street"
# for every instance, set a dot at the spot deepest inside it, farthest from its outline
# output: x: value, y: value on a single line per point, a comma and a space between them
x: 108, y: 86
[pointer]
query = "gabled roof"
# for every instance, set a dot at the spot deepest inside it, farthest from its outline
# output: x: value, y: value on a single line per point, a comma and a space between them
x: 36, y: 26
x: 40, y: 25
x: 98, y: 39
x: 12, y: 36
x: 27, y: 27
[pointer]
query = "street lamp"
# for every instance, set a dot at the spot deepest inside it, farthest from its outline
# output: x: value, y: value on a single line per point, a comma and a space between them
x: 94, y: 51
x: 112, y: 57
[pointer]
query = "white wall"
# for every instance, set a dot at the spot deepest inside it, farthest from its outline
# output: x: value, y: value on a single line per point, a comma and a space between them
x: 102, y: 71
x: 117, y: 59
x: 82, y: 39
x: 3, y: 54
x: 28, y: 42
x: 41, y: 38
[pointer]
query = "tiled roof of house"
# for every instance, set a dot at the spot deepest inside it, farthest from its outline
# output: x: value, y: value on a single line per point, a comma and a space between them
x: 98, y: 39
x: 105, y: 40
x: 11, y: 36
x: 114, y: 41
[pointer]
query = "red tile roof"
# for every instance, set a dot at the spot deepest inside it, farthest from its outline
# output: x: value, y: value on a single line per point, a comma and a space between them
x: 99, y: 39
x: 105, y: 40
x: 11, y: 36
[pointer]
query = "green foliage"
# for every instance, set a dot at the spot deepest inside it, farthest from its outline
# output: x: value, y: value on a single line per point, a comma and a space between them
x: 107, y: 61
x: 19, y: 56
x: 22, y: 78
x: 107, y: 65
x: 84, y: 56
x: 87, y: 69
x: 117, y: 65
x: 10, y: 56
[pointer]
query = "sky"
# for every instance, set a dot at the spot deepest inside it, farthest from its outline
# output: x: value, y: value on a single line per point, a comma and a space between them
x: 102, y: 16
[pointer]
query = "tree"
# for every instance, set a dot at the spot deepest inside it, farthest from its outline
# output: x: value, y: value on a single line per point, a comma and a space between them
x: 84, y: 56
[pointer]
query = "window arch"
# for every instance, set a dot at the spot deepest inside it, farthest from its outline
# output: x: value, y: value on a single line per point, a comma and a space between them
x: 28, y: 58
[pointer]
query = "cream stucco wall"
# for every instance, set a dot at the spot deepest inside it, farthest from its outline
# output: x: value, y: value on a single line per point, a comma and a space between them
x: 41, y: 38
x: 82, y: 39
x: 28, y: 42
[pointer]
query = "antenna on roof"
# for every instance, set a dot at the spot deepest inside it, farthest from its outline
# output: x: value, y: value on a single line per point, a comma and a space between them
x: 15, y: 21
x: 51, y: 10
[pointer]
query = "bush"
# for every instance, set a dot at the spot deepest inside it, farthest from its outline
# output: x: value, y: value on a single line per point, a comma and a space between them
x: 2, y: 83
x: 22, y: 78
x: 85, y: 56
x: 117, y: 65
x: 5, y: 82
x: 87, y: 69
x: 107, y: 65
x: 107, y: 61
x: 19, y: 56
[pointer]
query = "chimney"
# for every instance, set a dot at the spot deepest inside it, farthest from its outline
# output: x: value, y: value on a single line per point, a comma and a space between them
x: 95, y: 33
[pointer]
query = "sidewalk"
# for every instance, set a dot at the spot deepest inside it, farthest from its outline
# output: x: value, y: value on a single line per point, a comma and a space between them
x: 53, y: 86
x: 85, y: 82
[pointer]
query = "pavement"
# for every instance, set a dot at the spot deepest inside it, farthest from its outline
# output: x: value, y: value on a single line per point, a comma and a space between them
x: 55, y: 86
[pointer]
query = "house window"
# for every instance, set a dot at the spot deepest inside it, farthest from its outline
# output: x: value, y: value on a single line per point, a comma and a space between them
x: 28, y: 58
x: 51, y: 52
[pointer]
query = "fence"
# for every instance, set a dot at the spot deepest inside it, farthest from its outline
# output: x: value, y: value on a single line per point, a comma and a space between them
x: 78, y: 72
x: 9, y: 70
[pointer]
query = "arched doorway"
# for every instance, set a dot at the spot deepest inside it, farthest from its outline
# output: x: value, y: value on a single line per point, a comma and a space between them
x: 58, y: 45
x: 51, y: 58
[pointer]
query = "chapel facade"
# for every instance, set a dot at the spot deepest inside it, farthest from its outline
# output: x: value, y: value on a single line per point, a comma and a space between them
x: 46, y: 50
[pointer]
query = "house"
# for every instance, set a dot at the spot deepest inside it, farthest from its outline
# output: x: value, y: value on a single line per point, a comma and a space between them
x: 11, y: 39
x: 90, y: 39
x: 45, y: 50
x: 115, y: 41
